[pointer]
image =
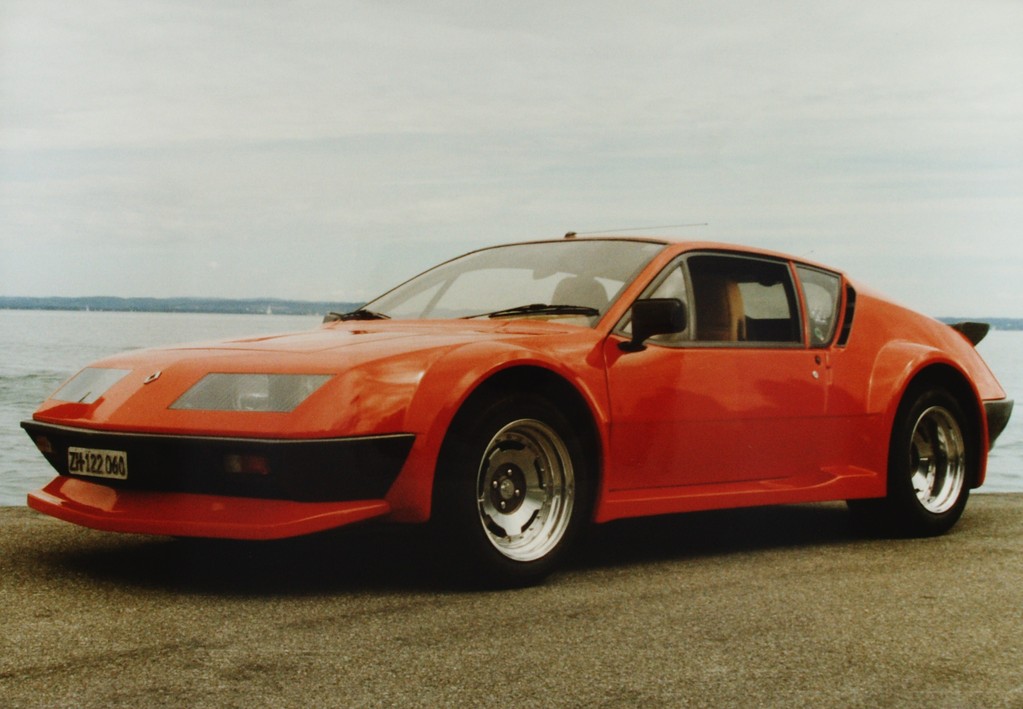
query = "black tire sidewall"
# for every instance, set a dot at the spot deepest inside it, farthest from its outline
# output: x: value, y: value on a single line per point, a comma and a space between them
x: 469, y: 551
x: 906, y: 513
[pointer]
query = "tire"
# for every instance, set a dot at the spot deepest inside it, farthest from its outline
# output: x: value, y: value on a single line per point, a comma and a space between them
x: 929, y: 468
x: 513, y: 490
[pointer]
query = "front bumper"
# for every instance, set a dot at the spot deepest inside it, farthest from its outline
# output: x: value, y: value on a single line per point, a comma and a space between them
x: 998, y: 413
x: 306, y: 470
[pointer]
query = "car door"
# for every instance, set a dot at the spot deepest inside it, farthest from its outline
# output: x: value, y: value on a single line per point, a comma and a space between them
x: 738, y: 396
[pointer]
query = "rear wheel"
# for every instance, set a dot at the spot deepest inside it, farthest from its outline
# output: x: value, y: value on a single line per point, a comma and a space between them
x: 513, y: 490
x: 928, y: 467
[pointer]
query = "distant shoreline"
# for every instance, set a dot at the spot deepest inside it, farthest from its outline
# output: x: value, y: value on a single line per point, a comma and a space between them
x: 265, y: 306
x: 246, y: 306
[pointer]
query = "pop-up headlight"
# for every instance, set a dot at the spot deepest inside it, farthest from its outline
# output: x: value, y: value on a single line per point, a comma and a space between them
x: 89, y: 385
x: 278, y: 393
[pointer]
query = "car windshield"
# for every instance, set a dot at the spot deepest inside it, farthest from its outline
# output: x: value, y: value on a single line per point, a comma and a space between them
x: 576, y: 278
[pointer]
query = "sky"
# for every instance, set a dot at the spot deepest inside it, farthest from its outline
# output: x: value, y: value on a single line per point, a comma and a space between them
x: 329, y: 150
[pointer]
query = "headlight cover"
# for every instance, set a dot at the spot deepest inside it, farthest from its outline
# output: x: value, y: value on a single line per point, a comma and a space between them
x: 277, y: 393
x: 89, y: 385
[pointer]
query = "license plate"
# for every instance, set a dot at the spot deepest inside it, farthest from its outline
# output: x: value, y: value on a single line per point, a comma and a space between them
x: 97, y: 463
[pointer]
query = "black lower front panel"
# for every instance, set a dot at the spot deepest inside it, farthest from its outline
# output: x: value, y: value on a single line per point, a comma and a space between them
x: 310, y: 470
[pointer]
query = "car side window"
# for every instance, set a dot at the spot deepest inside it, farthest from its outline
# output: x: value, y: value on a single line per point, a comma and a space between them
x: 671, y: 283
x: 822, y: 290
x: 672, y: 286
x: 737, y: 299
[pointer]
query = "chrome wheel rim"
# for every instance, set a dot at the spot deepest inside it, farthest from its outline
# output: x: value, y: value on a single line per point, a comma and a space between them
x: 937, y: 460
x: 525, y: 490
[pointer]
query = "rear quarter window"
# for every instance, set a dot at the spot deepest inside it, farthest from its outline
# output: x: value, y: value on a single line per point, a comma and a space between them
x: 822, y: 291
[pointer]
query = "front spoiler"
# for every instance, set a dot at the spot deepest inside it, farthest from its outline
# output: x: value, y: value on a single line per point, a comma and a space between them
x: 184, y: 514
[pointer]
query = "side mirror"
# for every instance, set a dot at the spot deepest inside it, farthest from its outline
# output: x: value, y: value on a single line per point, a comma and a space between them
x: 654, y: 316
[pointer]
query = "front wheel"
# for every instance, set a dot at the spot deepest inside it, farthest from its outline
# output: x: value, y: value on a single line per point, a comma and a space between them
x: 513, y: 490
x: 928, y: 466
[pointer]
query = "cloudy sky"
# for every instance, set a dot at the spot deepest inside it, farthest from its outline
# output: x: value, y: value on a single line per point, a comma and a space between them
x: 326, y: 150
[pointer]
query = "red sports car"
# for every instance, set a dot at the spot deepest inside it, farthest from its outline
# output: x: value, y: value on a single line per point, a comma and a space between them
x: 517, y: 393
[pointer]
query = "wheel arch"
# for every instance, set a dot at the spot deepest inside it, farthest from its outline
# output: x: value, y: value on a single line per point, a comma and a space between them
x: 530, y: 378
x: 949, y: 378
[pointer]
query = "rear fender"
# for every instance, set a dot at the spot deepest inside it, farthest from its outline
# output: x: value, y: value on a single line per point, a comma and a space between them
x: 894, y: 367
x: 902, y: 365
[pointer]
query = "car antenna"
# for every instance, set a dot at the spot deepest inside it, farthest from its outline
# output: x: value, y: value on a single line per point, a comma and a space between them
x: 573, y: 234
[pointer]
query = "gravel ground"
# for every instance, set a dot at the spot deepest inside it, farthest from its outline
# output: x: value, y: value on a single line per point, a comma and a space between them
x: 778, y: 607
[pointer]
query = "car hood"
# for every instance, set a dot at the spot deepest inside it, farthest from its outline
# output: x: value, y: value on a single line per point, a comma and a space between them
x: 346, y: 335
x: 328, y: 338
x: 366, y: 372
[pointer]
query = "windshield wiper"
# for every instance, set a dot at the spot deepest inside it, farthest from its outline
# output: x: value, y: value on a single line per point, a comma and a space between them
x: 360, y: 314
x: 538, y: 308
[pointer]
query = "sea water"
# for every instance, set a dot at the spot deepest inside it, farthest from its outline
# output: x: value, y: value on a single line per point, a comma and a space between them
x: 41, y: 349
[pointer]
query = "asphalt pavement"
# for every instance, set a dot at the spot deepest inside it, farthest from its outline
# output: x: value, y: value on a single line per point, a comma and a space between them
x: 780, y: 606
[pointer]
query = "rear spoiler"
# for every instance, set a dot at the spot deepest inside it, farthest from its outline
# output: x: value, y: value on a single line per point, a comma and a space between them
x: 972, y: 331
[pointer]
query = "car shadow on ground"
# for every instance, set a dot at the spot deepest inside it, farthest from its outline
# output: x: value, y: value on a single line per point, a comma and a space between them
x: 714, y: 533
x: 399, y: 558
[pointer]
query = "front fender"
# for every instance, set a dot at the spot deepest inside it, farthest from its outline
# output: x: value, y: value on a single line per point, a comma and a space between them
x: 446, y: 385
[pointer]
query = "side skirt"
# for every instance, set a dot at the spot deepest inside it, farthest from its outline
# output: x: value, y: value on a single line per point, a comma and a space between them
x: 849, y: 483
